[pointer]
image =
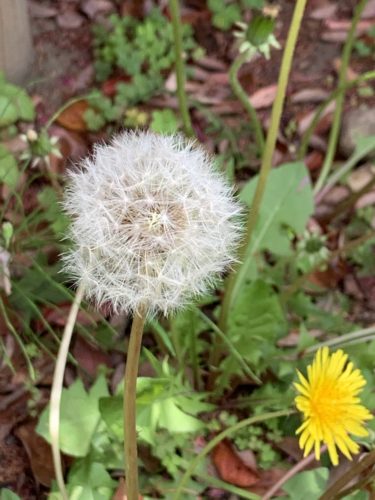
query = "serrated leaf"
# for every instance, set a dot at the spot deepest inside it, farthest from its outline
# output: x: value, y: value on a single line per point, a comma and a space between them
x: 79, y: 417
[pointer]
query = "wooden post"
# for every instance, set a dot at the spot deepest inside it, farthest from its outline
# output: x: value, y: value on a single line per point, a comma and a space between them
x: 16, y: 51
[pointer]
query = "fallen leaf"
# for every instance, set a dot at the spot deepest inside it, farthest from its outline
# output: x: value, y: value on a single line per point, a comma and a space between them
x: 305, y: 122
x: 263, y: 98
x: 41, y: 11
x: 369, y: 10
x: 109, y: 87
x: 94, y: 7
x: 231, y: 468
x: 342, y: 25
x: 360, y: 177
x: 72, y: 117
x: 309, y: 95
x: 70, y: 20
x: 350, y: 73
x: 58, y: 316
x: 39, y: 453
x: 314, y: 160
x: 89, y: 358
x: 324, y: 12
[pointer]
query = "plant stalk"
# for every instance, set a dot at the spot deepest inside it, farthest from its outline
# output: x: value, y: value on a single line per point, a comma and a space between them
x: 237, y: 277
x: 130, y: 396
x: 244, y: 99
x: 334, y: 134
x: 180, y: 67
x: 369, y: 75
x: 56, y: 391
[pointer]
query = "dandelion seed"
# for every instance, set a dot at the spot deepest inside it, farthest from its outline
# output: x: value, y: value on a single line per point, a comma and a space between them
x: 152, y: 223
x: 328, y: 400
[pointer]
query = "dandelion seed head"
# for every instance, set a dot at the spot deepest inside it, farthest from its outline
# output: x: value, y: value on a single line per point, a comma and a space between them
x: 329, y: 402
x: 152, y: 223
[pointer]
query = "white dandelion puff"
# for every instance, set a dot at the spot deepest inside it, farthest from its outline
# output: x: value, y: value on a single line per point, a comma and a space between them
x: 153, y: 223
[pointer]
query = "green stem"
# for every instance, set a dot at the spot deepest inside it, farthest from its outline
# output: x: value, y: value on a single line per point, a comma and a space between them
x: 234, y: 352
x: 130, y: 396
x: 180, y: 67
x: 18, y: 340
x: 244, y: 99
x: 338, y: 174
x: 238, y: 275
x: 217, y: 439
x: 370, y: 75
x: 334, y: 135
x: 364, y: 334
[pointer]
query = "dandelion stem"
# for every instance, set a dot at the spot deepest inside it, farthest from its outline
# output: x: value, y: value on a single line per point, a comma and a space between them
x: 238, y: 275
x: 244, y: 99
x: 180, y: 67
x: 130, y: 395
x: 56, y: 391
x: 334, y: 134
x: 224, y: 434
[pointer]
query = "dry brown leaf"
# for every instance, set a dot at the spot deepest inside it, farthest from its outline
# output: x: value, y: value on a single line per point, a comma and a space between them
x: 324, y: 12
x: 263, y: 98
x: 70, y: 20
x: 72, y: 117
x: 369, y: 10
x: 39, y: 453
x: 231, y: 468
x: 309, y: 95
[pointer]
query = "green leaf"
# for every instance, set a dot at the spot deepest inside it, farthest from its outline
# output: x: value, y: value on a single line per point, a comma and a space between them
x: 90, y: 481
x: 6, y: 494
x: 8, y: 168
x: 15, y: 104
x: 287, y: 204
x: 157, y: 407
x: 255, y: 322
x: 53, y: 211
x: 164, y: 122
x: 312, y: 483
x: 79, y: 417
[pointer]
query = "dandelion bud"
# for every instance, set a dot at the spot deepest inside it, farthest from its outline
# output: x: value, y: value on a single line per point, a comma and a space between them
x: 153, y: 223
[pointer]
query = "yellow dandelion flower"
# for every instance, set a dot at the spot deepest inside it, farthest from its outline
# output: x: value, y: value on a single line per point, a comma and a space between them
x: 328, y: 399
